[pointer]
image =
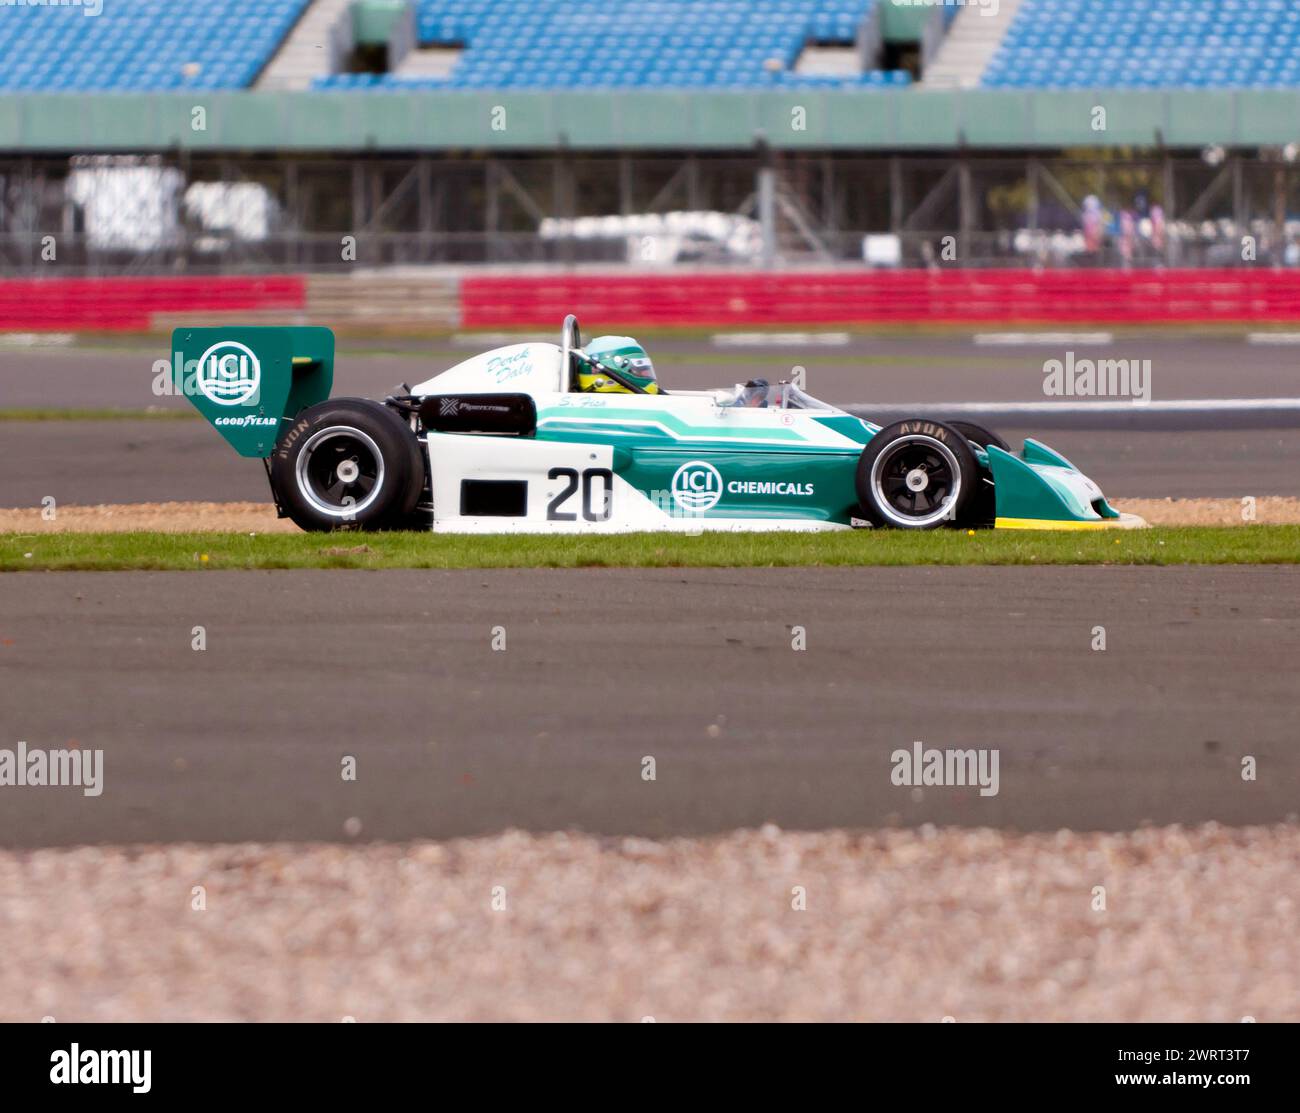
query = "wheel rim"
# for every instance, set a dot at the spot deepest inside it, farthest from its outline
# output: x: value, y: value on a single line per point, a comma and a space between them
x: 340, y: 471
x: 916, y: 479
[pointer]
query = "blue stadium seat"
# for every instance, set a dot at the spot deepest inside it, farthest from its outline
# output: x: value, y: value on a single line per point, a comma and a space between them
x: 146, y: 45
x: 1149, y: 44
x: 141, y: 45
x: 583, y: 44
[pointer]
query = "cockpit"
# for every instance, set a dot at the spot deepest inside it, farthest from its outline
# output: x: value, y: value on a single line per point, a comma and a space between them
x: 627, y: 369
x: 759, y: 394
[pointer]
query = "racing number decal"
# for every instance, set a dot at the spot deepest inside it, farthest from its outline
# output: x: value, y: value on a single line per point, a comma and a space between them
x: 553, y: 511
x: 606, y: 508
x: 601, y: 513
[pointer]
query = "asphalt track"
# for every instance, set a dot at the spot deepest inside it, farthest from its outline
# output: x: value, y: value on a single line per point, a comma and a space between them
x: 603, y: 668
x: 93, y: 462
x: 1216, y: 454
x: 883, y: 371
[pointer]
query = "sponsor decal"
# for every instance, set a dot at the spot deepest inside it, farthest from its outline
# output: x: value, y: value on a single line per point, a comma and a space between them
x: 229, y: 374
x: 760, y: 487
x: 505, y: 368
x: 696, y: 486
x: 290, y: 438
x: 460, y: 407
x: 244, y: 422
x: 926, y: 428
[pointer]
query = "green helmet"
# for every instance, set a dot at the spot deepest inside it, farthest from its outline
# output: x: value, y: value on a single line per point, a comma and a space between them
x: 625, y: 357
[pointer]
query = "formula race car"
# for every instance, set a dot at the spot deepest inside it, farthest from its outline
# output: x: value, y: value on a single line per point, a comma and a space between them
x: 574, y: 438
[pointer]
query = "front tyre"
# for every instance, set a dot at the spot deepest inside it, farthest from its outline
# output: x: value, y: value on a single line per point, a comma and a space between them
x: 918, y: 475
x: 347, y: 464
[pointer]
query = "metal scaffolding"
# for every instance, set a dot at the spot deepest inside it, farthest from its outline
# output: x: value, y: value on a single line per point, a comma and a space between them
x: 196, y: 213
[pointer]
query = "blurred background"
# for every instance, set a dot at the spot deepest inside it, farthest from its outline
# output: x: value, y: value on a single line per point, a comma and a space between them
x: 342, y: 160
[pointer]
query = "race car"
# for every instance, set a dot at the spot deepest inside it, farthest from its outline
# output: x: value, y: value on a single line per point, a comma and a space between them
x: 582, y: 438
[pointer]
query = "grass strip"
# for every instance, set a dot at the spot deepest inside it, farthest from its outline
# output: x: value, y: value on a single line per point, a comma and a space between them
x: 1256, y: 544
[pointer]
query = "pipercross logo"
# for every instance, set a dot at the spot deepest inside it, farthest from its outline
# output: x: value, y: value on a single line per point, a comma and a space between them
x: 229, y: 374
x: 448, y: 407
x: 696, y: 486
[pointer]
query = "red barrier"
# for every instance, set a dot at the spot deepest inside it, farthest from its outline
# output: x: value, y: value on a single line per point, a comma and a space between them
x: 709, y: 300
x: 76, y: 304
x: 951, y: 296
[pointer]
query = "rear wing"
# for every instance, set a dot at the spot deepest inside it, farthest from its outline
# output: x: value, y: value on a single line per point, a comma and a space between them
x: 248, y: 381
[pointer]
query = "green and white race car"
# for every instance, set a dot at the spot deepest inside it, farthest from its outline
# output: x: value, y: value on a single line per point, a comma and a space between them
x: 553, y: 438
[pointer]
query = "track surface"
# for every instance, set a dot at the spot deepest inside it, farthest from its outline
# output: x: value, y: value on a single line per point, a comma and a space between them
x: 154, y: 461
x: 882, y: 370
x: 91, y: 462
x: 602, y: 668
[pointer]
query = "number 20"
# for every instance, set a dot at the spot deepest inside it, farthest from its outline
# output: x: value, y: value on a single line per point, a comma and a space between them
x: 599, y: 513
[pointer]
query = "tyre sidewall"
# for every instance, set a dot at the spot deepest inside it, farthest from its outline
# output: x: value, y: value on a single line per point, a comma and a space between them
x: 983, y: 509
x: 952, y: 439
x: 403, y: 477
x: 981, y: 436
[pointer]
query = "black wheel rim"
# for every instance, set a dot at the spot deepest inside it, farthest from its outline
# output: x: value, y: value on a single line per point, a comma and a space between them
x: 340, y: 471
x: 916, y: 479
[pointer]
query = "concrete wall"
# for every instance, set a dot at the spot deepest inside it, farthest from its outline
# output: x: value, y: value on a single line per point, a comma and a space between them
x: 672, y: 120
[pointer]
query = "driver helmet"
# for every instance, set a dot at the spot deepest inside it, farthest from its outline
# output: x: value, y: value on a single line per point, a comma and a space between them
x: 753, y: 394
x: 620, y: 354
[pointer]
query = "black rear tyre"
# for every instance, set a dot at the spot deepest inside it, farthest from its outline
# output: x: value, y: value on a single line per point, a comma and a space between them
x: 348, y: 463
x: 981, y: 436
x: 983, y: 509
x: 918, y: 475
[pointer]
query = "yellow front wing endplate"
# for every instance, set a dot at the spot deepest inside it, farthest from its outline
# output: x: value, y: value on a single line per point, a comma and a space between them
x: 1124, y: 521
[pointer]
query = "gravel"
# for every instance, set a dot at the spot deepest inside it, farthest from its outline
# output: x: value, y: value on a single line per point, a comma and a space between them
x: 161, y: 517
x: 1198, y: 925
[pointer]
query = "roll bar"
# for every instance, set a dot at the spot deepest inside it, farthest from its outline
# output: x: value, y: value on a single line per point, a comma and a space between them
x: 570, y: 339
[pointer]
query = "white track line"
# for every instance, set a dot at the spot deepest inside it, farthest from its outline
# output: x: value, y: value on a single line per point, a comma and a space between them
x: 487, y: 340
x: 1273, y: 338
x: 780, y: 339
x: 1030, y: 339
x: 1181, y: 405
x: 36, y: 339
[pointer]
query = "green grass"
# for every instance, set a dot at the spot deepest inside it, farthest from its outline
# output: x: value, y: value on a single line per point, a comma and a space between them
x: 154, y: 414
x: 199, y: 551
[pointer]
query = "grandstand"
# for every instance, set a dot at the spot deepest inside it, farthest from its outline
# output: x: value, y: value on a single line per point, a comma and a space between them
x: 1150, y: 44
x: 592, y: 44
x: 377, y: 45
x: 137, y: 45
x: 846, y: 132
x: 156, y: 45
